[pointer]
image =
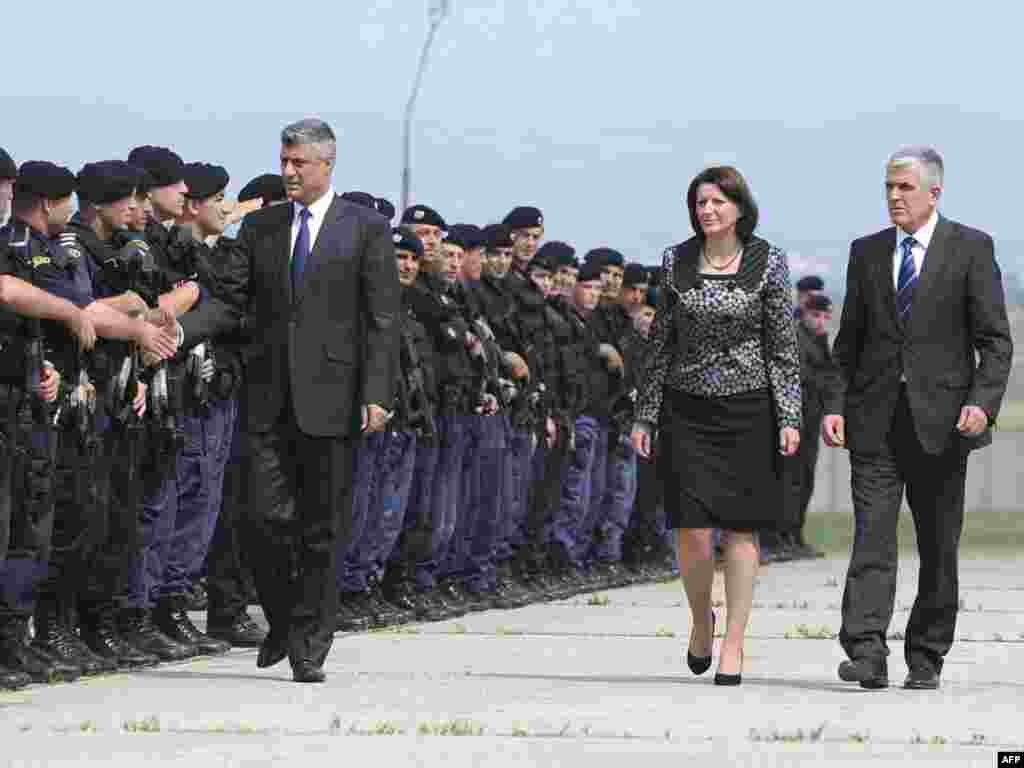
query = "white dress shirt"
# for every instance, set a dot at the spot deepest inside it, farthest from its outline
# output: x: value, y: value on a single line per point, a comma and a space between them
x: 923, y: 236
x: 318, y: 210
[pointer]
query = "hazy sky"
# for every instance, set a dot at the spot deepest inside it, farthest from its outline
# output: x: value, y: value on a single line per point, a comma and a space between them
x: 599, y: 112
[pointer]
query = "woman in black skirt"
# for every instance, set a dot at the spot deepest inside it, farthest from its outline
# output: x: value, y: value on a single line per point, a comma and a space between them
x: 723, y: 392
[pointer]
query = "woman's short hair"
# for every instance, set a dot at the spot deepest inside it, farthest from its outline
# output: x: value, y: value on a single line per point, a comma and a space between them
x: 735, y: 188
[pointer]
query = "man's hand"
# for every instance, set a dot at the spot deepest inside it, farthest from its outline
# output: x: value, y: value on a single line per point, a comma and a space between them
x: 160, y: 343
x: 833, y: 430
x: 552, y: 433
x: 641, y: 439
x: 81, y: 327
x: 516, y: 366
x: 161, y: 317
x: 612, y: 358
x: 139, y: 403
x: 973, y: 421
x: 240, y: 210
x: 789, y: 441
x: 49, y: 386
x: 375, y: 418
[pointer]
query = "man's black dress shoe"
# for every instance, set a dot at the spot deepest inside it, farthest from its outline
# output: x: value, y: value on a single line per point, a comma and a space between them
x: 308, y: 672
x: 871, y: 674
x: 922, y: 679
x: 270, y: 653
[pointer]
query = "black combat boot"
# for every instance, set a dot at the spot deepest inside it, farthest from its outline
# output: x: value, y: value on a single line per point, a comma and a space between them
x: 171, y: 617
x: 240, y: 631
x: 18, y: 656
x: 55, y: 638
x: 99, y: 631
x: 138, y: 629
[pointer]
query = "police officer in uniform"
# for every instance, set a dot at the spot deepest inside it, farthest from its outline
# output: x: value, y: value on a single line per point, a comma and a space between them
x: 106, y: 195
x: 154, y: 618
x: 819, y: 378
x: 408, y: 582
x: 28, y: 392
x: 81, y: 483
x: 209, y: 405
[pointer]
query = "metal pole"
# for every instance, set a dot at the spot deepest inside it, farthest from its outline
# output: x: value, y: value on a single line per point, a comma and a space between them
x: 437, y: 12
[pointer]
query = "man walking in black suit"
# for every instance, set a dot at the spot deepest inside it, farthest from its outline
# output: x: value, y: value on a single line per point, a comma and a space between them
x: 924, y: 354
x: 323, y: 303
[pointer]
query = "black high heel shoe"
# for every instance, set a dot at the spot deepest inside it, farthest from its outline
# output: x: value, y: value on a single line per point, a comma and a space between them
x: 721, y: 679
x: 701, y: 664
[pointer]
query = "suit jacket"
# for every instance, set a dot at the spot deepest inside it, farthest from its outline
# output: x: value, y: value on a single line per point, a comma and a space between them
x: 955, y: 349
x: 334, y: 344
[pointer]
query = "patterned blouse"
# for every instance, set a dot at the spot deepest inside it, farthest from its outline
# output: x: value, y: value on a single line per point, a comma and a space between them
x: 720, y: 336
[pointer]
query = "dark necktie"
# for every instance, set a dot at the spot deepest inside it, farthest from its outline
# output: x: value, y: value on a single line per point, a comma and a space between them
x: 301, y: 251
x: 907, y: 279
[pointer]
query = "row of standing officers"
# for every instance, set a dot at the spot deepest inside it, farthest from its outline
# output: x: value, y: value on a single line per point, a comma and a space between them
x: 504, y: 475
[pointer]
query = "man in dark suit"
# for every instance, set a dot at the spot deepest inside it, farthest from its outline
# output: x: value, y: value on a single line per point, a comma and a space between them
x: 323, y: 302
x: 924, y: 354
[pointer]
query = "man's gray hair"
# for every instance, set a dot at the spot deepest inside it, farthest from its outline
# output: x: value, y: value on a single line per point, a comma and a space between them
x: 311, y: 131
x: 927, y: 158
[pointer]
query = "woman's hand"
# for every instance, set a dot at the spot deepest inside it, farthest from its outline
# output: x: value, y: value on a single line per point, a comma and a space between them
x: 789, y: 441
x: 641, y: 439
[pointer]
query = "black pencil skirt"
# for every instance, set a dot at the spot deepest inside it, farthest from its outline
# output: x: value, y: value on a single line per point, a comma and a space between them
x: 719, y: 462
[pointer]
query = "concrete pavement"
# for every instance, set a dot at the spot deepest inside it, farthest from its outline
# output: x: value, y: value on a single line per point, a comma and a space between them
x: 590, y: 681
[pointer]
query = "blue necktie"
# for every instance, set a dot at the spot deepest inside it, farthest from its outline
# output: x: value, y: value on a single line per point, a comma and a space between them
x: 907, y: 279
x: 301, y: 251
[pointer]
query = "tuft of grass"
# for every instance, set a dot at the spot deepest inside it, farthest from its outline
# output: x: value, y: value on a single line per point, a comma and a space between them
x: 460, y: 629
x: 805, y: 632
x: 859, y: 738
x: 600, y: 600
x: 799, y: 736
x: 457, y: 727
x: 87, y: 726
x: 507, y: 631
x: 519, y: 730
x: 664, y: 632
x: 150, y: 724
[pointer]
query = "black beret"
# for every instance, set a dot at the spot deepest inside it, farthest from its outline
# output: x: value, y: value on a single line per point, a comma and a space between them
x: 634, y: 274
x: 164, y: 166
x: 589, y: 272
x: 145, y: 182
x: 651, y: 299
x: 364, y: 199
x: 44, y: 179
x: 497, y: 236
x: 524, y: 217
x: 810, y: 283
x: 456, y: 237
x: 107, y: 181
x: 269, y: 187
x: 470, y: 234
x: 405, y: 240
x: 819, y: 302
x: 8, y: 170
x: 386, y: 208
x: 561, y: 254
x: 542, y: 261
x: 422, y: 214
x: 204, y: 180
x: 606, y: 257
